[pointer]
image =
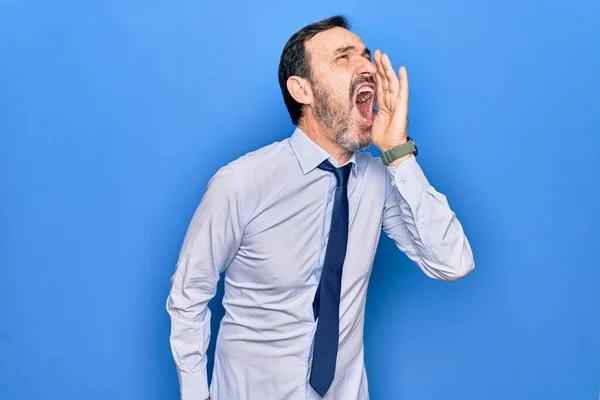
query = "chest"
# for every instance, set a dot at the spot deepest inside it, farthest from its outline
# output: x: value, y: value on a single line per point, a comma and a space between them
x: 286, y: 236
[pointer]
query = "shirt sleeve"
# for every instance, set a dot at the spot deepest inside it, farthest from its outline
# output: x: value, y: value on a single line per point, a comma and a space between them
x: 212, y: 240
x: 420, y: 221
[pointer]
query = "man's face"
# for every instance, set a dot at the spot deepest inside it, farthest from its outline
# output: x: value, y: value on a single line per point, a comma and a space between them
x: 343, y: 82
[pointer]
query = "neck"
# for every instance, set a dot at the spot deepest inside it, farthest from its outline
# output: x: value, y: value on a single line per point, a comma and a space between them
x: 324, y: 138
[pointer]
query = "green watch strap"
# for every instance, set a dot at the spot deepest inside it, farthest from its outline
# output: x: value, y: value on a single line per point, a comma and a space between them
x: 397, y: 152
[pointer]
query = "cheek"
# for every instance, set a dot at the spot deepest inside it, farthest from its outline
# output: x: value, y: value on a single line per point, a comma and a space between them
x: 338, y: 84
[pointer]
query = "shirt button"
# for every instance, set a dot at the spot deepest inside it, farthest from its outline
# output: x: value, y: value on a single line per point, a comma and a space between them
x: 401, y: 181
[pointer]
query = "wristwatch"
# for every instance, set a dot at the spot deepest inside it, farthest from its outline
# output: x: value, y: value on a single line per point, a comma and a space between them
x: 397, y: 152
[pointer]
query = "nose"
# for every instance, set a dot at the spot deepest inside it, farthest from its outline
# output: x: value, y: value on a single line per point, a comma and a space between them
x: 367, y: 68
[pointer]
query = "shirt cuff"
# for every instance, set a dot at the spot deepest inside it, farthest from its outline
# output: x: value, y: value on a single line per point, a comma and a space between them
x: 193, y: 386
x: 408, y: 178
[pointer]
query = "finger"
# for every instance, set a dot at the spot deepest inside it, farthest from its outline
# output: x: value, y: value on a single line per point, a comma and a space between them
x: 377, y: 60
x: 382, y: 81
x: 379, y: 88
x: 390, y: 74
x: 377, y: 55
x: 380, y: 71
x: 404, y: 89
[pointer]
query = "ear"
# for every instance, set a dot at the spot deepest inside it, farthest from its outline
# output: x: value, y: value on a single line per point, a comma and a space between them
x: 300, y: 89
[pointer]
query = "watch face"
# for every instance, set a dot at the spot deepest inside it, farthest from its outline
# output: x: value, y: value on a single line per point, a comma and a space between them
x: 414, y: 144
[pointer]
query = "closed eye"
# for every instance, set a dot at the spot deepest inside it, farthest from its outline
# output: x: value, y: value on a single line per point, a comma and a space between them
x: 343, y: 52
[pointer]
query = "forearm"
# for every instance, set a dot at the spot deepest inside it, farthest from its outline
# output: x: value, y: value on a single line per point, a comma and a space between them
x: 436, y: 240
x: 187, y: 306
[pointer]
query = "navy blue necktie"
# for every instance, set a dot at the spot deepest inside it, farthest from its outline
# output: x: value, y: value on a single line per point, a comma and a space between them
x: 326, y: 305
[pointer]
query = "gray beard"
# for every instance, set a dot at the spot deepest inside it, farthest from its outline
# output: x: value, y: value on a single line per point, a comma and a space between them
x: 349, y: 143
x: 337, y: 120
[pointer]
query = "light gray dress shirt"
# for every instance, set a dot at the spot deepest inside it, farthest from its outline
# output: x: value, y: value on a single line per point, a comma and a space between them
x: 264, y: 219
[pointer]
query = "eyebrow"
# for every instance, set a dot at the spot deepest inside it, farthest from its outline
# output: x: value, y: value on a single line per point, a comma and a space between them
x: 366, y: 51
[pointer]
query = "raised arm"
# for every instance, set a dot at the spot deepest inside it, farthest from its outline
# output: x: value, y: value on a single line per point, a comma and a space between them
x: 416, y: 216
x: 420, y: 221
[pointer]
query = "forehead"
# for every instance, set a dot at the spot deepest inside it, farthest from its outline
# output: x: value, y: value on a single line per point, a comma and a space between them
x: 324, y: 44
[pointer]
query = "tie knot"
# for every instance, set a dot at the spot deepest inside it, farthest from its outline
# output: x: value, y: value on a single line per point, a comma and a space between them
x: 342, y: 174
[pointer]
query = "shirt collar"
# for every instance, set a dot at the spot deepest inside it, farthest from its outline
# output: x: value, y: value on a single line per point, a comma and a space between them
x: 310, y: 154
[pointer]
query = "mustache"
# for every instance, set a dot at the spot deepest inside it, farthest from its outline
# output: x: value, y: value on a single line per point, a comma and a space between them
x: 359, y: 81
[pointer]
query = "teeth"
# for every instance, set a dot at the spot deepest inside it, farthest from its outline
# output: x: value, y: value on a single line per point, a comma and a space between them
x: 364, y: 93
x: 362, y: 97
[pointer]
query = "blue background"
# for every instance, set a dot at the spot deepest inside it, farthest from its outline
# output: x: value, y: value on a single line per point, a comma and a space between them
x: 114, y: 115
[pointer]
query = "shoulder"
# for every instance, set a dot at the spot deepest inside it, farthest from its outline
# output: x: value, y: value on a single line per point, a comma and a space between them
x: 251, y: 176
x: 257, y: 163
x: 242, y: 173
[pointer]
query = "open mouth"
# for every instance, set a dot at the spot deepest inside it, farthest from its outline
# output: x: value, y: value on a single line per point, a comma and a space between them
x: 365, y: 95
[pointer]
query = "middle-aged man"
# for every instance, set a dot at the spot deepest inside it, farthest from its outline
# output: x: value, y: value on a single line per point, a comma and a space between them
x: 296, y: 225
